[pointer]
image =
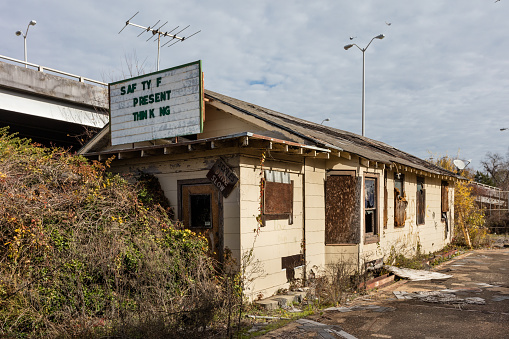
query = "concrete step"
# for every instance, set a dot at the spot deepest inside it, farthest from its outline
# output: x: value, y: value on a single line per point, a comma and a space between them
x: 281, y: 300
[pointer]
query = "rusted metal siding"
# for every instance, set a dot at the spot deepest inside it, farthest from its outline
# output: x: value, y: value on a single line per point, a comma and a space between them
x: 277, y: 198
x: 342, y: 209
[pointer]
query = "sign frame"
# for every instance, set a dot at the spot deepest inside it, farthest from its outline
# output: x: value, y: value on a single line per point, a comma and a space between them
x: 168, y: 106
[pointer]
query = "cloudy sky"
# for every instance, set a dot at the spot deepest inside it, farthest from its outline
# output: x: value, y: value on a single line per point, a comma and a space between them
x: 438, y: 82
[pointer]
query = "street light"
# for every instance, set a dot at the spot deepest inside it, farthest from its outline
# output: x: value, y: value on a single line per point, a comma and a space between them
x: 380, y: 36
x: 324, y: 120
x: 18, y: 33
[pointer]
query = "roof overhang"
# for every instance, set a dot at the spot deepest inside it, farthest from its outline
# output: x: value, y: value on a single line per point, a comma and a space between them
x: 245, y: 139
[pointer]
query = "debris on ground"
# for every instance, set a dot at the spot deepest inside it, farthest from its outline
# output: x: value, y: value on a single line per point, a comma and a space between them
x: 442, y: 297
x: 416, y: 275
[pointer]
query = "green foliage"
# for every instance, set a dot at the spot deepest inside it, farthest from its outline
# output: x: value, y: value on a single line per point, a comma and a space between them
x: 484, y: 178
x: 83, y: 252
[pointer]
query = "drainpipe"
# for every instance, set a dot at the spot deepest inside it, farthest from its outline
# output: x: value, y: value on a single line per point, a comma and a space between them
x: 304, y: 219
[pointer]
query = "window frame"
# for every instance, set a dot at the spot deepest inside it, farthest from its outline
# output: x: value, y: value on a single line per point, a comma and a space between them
x: 192, y: 213
x: 399, y: 177
x: 374, y: 235
x: 270, y: 189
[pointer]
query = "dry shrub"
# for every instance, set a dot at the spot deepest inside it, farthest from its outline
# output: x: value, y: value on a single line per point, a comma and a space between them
x: 82, y: 255
x: 335, y: 283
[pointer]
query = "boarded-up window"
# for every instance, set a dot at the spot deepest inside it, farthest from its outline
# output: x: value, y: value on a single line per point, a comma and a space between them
x: 278, y: 197
x: 445, y: 196
x: 421, y: 201
x: 342, y: 209
x: 386, y: 200
x: 400, y: 201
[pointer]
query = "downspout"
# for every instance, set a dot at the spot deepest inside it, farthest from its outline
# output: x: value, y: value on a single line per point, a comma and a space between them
x: 361, y: 224
x: 304, y: 276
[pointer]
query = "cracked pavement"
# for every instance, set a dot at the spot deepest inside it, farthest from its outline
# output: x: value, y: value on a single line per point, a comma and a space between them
x: 474, y: 303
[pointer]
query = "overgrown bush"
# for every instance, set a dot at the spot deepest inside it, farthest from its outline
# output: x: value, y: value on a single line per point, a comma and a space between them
x: 469, y: 219
x: 336, y: 282
x: 82, y: 256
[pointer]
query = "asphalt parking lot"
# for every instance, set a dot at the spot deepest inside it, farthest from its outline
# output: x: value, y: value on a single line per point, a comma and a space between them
x: 473, y: 303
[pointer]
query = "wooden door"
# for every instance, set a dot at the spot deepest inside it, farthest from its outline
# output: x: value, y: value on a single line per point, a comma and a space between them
x: 200, y: 212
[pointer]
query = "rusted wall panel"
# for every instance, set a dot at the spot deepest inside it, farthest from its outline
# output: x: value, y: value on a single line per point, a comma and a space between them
x: 342, y: 209
x: 277, y: 198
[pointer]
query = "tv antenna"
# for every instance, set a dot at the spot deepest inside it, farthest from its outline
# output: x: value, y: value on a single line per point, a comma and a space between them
x: 157, y: 31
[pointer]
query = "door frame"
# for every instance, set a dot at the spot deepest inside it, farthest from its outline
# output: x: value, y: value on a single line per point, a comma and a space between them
x: 196, y: 182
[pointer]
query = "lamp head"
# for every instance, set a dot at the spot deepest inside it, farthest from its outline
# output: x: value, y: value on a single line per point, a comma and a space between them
x: 32, y: 23
x: 348, y: 47
x: 18, y: 33
x: 380, y: 36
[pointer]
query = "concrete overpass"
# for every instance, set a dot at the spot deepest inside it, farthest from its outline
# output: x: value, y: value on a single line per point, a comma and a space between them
x: 50, y: 109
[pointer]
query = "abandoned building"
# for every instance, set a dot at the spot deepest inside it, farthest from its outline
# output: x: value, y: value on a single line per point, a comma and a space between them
x: 300, y: 194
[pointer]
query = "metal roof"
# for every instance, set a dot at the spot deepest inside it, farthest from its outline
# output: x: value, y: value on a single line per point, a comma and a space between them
x: 328, y: 137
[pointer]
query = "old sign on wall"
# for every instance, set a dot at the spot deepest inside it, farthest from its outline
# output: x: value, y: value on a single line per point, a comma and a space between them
x: 223, y: 177
x: 158, y: 105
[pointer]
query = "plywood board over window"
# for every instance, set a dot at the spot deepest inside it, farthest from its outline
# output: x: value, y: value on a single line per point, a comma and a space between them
x: 277, y: 196
x: 400, y: 201
x: 342, y: 209
x: 445, y: 196
x: 421, y: 201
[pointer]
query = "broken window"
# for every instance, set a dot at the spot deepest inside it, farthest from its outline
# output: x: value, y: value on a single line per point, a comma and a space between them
x: 290, y: 263
x: 421, y: 201
x: 370, y: 207
x: 400, y: 201
x: 342, y: 208
x: 277, y: 196
x: 200, y: 211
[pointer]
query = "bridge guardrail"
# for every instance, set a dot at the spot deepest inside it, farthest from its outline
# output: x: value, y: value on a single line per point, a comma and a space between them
x: 42, y: 69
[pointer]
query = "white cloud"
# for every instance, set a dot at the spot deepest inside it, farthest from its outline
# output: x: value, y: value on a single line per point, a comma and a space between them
x: 439, y: 81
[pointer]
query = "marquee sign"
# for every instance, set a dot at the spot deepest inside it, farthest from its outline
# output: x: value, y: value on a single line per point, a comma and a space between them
x: 158, y: 105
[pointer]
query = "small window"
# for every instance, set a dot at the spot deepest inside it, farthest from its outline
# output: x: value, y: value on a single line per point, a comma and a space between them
x: 277, y: 196
x: 200, y: 211
x: 400, y: 201
x: 371, y: 208
x: 421, y: 201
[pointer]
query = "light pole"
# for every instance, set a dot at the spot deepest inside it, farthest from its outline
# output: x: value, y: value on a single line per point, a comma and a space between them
x: 18, y: 33
x: 380, y: 36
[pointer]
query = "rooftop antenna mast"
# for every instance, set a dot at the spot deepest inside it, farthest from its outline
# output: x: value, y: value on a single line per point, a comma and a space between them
x: 157, y: 31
